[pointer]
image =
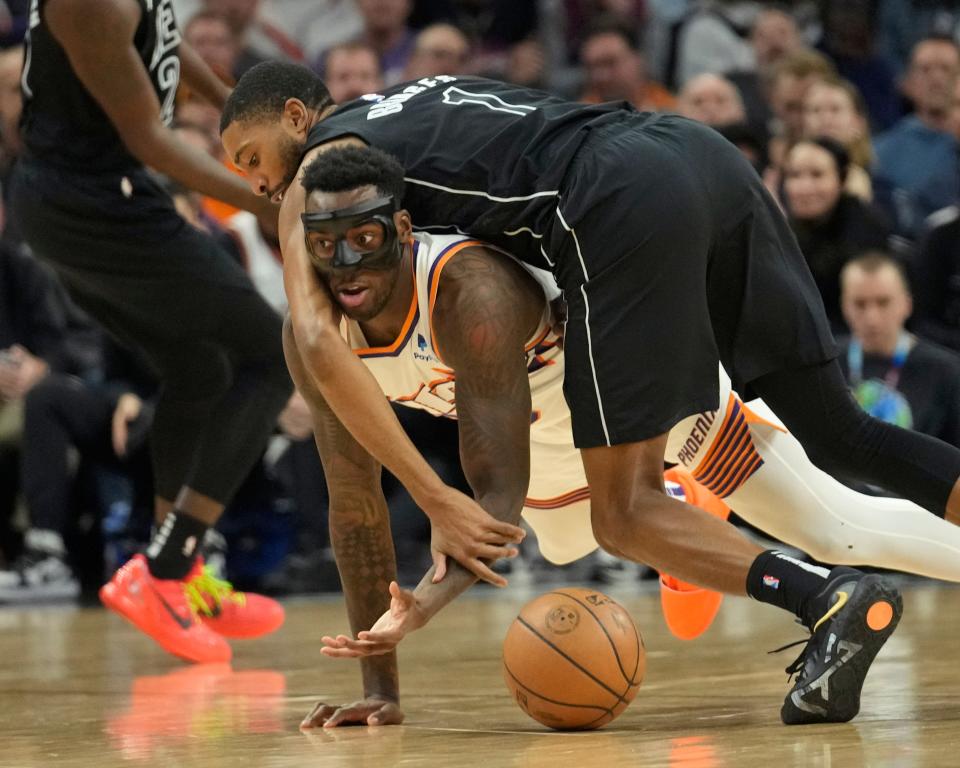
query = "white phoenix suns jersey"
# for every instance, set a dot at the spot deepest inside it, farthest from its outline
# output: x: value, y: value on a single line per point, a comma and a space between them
x: 411, y: 372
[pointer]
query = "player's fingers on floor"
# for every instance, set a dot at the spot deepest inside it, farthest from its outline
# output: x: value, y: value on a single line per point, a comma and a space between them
x: 318, y: 716
x: 388, y: 714
x: 348, y: 716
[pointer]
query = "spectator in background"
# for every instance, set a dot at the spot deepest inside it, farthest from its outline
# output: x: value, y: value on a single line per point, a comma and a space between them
x: 213, y: 40
x: 440, y: 49
x: 615, y: 69
x: 774, y: 36
x: 107, y: 422
x: 787, y: 85
x: 350, y: 70
x: 313, y: 26
x: 834, y: 108
x: 714, y: 37
x: 831, y: 226
x: 40, y: 332
x: 790, y: 79
x: 713, y: 100
x: 917, y: 172
x: 526, y: 64
x: 894, y: 375
x: 849, y: 33
x: 252, y: 36
x: 11, y: 105
x: 385, y: 29
x: 493, y: 28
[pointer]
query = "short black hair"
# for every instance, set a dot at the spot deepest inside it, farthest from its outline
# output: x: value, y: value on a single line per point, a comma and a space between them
x: 344, y: 168
x: 264, y: 89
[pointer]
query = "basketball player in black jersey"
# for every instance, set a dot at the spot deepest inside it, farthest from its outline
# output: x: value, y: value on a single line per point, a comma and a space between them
x: 671, y: 256
x: 99, y: 82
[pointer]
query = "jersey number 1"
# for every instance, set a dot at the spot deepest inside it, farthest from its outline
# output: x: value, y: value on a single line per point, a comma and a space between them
x: 455, y: 97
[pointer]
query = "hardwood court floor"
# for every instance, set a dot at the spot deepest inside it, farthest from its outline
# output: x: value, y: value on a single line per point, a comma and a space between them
x: 78, y: 687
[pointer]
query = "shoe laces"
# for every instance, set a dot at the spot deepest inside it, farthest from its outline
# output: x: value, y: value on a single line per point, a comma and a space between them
x: 798, y: 665
x: 208, y: 584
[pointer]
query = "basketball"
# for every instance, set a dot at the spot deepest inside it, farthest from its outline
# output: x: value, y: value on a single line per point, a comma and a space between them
x: 573, y: 659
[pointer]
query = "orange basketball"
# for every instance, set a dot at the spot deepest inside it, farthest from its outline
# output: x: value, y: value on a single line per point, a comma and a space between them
x: 573, y: 659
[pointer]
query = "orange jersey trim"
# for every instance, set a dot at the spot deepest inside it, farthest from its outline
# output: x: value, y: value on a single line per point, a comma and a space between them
x: 580, y: 494
x: 406, y: 330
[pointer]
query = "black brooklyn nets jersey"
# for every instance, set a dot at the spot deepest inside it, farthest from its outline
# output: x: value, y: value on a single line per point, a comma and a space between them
x: 62, y: 123
x: 482, y: 157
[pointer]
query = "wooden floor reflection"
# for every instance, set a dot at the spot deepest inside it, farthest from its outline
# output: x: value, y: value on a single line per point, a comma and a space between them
x: 78, y: 687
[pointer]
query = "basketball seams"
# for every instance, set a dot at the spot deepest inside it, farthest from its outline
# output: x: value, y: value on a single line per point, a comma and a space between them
x: 613, y: 646
x: 606, y: 710
x: 571, y: 660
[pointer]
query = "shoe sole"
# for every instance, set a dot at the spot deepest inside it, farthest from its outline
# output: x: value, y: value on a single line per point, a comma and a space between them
x: 117, y: 604
x: 46, y: 593
x: 869, y: 618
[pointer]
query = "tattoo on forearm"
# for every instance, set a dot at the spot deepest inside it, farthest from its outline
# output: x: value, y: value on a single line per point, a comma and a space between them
x: 360, y: 534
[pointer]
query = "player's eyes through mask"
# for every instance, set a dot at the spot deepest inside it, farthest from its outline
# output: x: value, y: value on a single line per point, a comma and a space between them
x: 363, y: 236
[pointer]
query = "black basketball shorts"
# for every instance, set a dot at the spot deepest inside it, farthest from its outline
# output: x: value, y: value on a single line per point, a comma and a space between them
x: 672, y: 258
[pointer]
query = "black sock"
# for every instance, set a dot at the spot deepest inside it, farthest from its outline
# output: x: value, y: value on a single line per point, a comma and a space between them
x: 175, y: 545
x: 777, y: 579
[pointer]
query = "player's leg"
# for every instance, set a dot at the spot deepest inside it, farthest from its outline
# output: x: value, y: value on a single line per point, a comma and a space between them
x: 815, y: 404
x: 131, y: 261
x: 792, y: 500
x: 775, y: 341
x: 641, y: 356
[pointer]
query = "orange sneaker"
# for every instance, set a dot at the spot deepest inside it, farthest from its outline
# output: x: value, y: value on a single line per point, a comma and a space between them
x: 688, y: 610
x: 160, y: 608
x: 226, y: 611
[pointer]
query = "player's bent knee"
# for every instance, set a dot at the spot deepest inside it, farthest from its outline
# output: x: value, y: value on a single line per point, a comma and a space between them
x: 610, y: 519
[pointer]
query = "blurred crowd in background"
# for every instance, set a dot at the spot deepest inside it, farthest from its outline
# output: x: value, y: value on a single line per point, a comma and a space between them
x: 848, y: 109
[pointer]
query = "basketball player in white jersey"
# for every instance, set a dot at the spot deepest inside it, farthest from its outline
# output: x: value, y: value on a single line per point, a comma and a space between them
x: 423, y: 350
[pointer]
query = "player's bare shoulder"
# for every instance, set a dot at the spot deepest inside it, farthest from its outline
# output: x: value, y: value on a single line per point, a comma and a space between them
x: 484, y: 297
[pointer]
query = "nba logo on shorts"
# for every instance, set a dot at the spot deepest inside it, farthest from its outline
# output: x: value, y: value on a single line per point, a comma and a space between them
x: 771, y: 581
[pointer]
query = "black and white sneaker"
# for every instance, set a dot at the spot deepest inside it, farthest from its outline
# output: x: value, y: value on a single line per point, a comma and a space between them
x: 857, y: 613
x: 38, y: 577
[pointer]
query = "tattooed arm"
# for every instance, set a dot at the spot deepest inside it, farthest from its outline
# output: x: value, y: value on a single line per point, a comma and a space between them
x: 363, y: 547
x: 486, y: 310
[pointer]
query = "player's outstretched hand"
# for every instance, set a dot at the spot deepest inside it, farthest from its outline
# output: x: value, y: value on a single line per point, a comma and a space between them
x: 403, y: 617
x: 369, y: 711
x: 461, y: 529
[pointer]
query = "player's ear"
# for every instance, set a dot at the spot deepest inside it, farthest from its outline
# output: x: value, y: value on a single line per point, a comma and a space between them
x: 295, y: 116
x: 404, y: 225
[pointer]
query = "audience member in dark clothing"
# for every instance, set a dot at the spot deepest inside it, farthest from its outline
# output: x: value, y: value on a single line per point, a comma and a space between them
x: 894, y: 375
x: 831, y: 226
x: 40, y: 333
x: 106, y: 419
x: 937, y: 280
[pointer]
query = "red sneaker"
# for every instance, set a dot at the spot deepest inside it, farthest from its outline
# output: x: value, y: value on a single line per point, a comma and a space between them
x: 226, y: 611
x: 160, y: 608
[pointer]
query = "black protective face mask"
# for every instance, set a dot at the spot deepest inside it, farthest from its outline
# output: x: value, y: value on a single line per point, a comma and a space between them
x: 337, y: 224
